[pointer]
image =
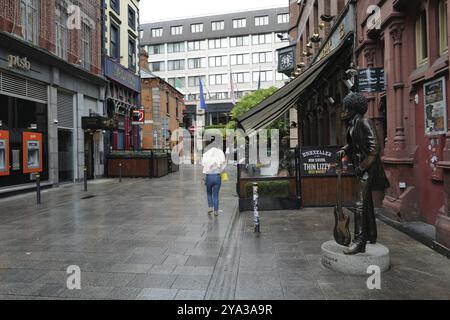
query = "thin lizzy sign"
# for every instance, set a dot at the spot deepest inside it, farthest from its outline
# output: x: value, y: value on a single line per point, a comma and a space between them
x: 19, y: 63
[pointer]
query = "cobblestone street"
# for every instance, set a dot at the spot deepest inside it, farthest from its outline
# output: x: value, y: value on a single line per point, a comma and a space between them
x: 152, y: 239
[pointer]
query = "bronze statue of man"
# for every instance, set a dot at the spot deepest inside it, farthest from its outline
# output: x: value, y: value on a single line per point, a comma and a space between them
x: 363, y: 150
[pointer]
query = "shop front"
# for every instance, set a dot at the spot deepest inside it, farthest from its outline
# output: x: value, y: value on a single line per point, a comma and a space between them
x: 316, y: 94
x: 42, y: 100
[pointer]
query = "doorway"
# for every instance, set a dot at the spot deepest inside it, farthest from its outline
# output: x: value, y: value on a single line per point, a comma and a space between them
x: 65, y: 155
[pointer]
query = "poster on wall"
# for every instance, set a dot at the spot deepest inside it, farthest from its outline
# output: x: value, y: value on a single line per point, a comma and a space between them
x: 435, y: 108
x: 319, y: 161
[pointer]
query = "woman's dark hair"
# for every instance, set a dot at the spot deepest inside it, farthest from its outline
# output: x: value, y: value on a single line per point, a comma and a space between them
x: 356, y: 102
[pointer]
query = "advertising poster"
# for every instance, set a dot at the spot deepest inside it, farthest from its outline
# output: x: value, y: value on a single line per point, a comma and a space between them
x: 435, y: 108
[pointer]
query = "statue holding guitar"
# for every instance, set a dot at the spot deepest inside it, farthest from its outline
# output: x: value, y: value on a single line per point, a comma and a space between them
x: 363, y: 151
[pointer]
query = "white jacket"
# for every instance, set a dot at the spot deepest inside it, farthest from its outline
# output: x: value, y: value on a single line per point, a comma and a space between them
x: 213, y: 161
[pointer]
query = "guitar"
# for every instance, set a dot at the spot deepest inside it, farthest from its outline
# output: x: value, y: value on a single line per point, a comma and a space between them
x: 341, y: 230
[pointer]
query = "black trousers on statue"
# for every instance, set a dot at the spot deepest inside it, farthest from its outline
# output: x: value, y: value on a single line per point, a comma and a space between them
x: 365, y: 222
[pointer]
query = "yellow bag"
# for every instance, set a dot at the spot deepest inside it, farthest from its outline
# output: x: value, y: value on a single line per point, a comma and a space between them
x: 224, y: 176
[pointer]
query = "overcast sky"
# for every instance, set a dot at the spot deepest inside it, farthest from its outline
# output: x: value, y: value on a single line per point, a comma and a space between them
x: 157, y: 10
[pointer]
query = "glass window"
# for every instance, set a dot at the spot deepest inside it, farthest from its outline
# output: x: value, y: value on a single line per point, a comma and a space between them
x: 114, y: 42
x: 197, y: 27
x: 262, y: 57
x: 178, y: 83
x: 265, y: 76
x: 241, y: 77
x: 219, y: 61
x: 239, y: 41
x: 61, y: 33
x: 176, y: 64
x: 157, y: 66
x: 131, y: 53
x: 197, y: 63
x: 197, y: 45
x: 217, y: 43
x: 115, y: 5
x: 218, y: 79
x: 131, y: 18
x: 283, y: 18
x: 175, y: 47
x: 239, y: 23
x: 281, y: 76
x: 443, y: 31
x: 195, y: 81
x: 261, y: 21
x: 177, y: 30
x: 30, y: 16
x: 262, y: 38
x: 156, y: 49
x: 86, y: 40
x: 217, y: 25
x: 239, y: 59
x: 421, y: 39
x: 157, y: 32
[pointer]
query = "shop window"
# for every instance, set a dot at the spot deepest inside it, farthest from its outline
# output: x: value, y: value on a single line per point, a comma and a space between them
x: 443, y: 31
x: 421, y: 39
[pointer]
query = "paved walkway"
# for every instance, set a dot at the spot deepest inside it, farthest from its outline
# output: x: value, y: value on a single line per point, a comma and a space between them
x: 283, y: 262
x: 139, y: 239
x: 152, y: 239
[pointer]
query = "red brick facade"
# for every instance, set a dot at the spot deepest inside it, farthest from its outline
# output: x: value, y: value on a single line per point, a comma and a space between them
x: 10, y: 21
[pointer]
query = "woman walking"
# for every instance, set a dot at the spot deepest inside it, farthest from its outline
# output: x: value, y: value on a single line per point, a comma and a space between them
x: 214, y: 164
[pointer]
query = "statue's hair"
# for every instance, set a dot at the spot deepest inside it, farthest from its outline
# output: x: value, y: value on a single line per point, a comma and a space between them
x: 356, y: 102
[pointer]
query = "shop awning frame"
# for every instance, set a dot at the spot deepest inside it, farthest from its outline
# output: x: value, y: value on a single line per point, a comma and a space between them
x: 286, y: 97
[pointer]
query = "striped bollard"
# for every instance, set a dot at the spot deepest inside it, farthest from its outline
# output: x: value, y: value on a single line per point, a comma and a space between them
x: 255, y: 207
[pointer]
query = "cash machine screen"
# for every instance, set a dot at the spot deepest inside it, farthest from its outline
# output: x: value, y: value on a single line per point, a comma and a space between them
x: 2, y: 155
x: 33, y: 154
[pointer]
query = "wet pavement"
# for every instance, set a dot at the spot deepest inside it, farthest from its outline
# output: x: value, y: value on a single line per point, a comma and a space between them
x: 152, y: 239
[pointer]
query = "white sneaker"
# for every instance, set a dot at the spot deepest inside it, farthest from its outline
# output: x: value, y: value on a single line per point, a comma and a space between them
x: 210, y: 210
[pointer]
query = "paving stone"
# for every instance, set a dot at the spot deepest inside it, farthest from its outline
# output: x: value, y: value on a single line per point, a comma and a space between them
x: 157, y: 294
x: 190, y: 294
x: 176, y: 259
x: 152, y: 281
x: 196, y: 282
x: 201, y: 261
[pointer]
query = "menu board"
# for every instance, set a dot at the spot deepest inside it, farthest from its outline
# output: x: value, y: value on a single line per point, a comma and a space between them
x: 371, y: 80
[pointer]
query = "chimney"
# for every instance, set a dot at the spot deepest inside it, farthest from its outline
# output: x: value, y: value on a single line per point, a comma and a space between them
x: 143, y: 60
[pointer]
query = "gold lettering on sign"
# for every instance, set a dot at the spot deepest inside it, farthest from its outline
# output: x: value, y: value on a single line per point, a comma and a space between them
x: 341, y: 31
x: 326, y: 50
x: 19, y: 63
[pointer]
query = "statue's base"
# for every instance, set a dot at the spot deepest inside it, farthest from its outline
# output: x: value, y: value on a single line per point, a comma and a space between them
x: 333, y: 258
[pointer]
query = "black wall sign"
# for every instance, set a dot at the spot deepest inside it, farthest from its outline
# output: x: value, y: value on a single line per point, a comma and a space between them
x: 371, y: 80
x: 321, y: 162
x: 97, y: 123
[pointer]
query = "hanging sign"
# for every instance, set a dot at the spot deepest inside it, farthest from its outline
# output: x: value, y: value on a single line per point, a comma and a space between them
x: 371, y: 80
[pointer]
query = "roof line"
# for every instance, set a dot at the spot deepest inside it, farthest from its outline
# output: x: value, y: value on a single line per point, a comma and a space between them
x: 215, y: 14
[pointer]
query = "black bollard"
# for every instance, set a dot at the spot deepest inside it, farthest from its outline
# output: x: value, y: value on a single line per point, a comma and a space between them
x: 38, y: 188
x: 255, y: 207
x: 85, y: 179
x: 120, y: 172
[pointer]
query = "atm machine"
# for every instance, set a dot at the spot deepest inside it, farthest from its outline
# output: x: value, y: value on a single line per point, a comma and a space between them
x: 4, y: 153
x: 32, y: 152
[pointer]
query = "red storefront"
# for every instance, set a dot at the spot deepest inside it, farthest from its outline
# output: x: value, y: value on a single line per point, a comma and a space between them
x: 409, y: 39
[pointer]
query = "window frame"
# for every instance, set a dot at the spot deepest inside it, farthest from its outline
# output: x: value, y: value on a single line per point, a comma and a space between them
x: 132, y: 55
x: 133, y: 25
x: 239, y: 23
x: 116, y: 6
x: 443, y: 27
x: 220, y: 23
x: 157, y: 32
x: 261, y: 21
x: 421, y: 39
x: 283, y: 18
x: 115, y: 56
x: 194, y: 27
x: 176, y: 29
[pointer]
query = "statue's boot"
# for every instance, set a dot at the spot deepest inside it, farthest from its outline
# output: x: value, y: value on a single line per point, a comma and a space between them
x: 359, y: 243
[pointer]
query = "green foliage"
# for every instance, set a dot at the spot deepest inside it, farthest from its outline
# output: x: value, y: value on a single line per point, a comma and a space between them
x: 250, y: 101
x: 269, y: 189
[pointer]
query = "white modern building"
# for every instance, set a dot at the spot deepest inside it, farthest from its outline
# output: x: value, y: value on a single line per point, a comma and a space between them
x: 229, y: 53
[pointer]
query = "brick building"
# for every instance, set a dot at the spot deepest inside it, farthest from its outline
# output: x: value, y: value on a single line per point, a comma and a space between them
x: 50, y: 74
x: 163, y: 106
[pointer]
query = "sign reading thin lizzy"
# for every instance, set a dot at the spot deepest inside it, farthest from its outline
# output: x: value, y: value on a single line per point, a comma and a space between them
x: 19, y: 63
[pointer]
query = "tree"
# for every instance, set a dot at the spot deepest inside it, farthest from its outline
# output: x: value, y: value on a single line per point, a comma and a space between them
x: 250, y: 101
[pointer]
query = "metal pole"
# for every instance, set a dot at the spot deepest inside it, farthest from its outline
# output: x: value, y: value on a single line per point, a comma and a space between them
x: 85, y: 179
x: 120, y: 172
x: 38, y: 188
x: 255, y: 207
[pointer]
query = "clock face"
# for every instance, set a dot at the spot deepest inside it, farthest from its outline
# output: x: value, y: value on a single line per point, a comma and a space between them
x: 286, y: 61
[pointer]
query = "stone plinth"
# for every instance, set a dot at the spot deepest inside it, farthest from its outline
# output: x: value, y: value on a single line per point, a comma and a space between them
x: 333, y: 257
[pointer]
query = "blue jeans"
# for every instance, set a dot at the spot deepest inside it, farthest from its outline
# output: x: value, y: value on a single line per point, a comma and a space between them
x: 213, y: 183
